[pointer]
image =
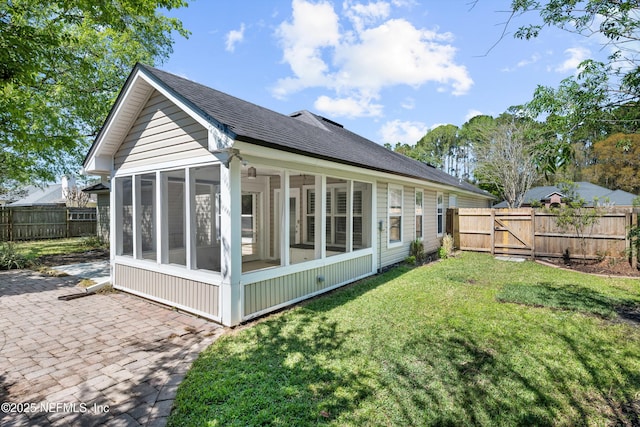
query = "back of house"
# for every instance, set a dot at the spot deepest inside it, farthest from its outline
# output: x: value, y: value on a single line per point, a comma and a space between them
x: 229, y: 210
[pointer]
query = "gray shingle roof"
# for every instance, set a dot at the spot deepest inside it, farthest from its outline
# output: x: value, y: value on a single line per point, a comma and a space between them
x: 298, y: 133
x: 585, y: 190
x: 49, y: 195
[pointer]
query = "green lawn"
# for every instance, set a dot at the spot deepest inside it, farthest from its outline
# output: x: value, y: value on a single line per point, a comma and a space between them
x: 38, y: 248
x: 465, y: 341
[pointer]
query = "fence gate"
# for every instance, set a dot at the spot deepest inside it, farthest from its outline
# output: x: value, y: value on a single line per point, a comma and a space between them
x: 513, y: 232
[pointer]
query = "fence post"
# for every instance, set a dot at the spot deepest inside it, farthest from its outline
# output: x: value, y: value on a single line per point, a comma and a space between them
x: 632, y: 244
x: 533, y: 233
x: 68, y: 223
x: 10, y: 226
x: 493, y: 231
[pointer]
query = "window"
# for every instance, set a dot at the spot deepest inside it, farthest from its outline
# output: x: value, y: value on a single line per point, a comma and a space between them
x: 361, y: 229
x: 147, y: 218
x: 124, y: 216
x: 207, y: 212
x: 395, y: 214
x: 419, y: 213
x: 311, y: 214
x: 439, y: 213
x: 174, y: 197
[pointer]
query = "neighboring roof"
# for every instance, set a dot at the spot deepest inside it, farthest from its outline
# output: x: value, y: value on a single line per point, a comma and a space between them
x: 49, y: 195
x: 585, y: 190
x: 97, y: 188
x: 302, y: 133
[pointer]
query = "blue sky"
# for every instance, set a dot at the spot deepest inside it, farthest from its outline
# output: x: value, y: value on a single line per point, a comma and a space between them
x: 388, y: 70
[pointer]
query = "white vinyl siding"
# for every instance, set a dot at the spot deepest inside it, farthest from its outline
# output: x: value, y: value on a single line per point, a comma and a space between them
x: 162, y: 132
x: 471, y: 202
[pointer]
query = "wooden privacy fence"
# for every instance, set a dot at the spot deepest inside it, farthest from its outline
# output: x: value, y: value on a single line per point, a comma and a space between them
x: 535, y: 233
x: 45, y: 222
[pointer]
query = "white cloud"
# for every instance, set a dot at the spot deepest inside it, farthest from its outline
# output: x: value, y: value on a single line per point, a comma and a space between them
x: 314, y: 26
x: 408, y: 103
x: 576, y: 56
x: 406, y: 132
x: 233, y: 38
x: 362, y: 15
x: 523, y: 63
x: 357, y: 64
x: 471, y: 114
x: 348, y: 107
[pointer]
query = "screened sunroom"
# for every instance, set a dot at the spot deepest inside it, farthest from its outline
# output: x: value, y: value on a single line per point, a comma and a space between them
x: 228, y: 210
x: 173, y: 217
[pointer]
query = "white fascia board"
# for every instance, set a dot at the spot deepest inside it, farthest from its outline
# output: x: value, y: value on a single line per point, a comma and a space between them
x: 261, y: 155
x: 219, y: 137
x: 99, y: 165
x: 99, y: 148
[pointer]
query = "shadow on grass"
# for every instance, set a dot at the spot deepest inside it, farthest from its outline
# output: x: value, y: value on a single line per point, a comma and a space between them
x: 459, y: 380
x: 278, y: 371
x: 571, y: 297
x: 310, y: 367
x: 300, y: 368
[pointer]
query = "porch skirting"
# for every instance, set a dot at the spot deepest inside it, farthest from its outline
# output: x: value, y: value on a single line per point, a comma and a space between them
x: 189, y: 295
x: 263, y: 296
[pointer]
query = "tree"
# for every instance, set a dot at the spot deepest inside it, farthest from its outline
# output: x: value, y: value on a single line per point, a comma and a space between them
x: 62, y: 63
x: 604, y: 95
x: 573, y: 215
x: 617, y: 162
x: 506, y: 161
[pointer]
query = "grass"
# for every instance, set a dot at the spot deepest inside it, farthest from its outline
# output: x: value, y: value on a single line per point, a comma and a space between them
x: 432, y: 345
x: 37, y: 248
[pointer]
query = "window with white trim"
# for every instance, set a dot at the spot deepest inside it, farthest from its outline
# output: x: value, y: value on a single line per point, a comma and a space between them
x: 158, y: 203
x: 440, y: 213
x: 419, y: 214
x: 124, y: 216
x: 395, y: 214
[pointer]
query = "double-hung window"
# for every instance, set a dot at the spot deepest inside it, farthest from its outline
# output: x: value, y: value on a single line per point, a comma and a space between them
x: 395, y: 214
x: 440, y: 213
x: 419, y: 213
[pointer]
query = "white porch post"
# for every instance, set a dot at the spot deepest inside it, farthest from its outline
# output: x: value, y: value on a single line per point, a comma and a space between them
x: 349, y: 216
x: 231, y: 240
x: 115, y: 220
x: 137, y: 215
x: 190, y: 215
x: 375, y: 233
x: 285, y: 219
x: 321, y: 217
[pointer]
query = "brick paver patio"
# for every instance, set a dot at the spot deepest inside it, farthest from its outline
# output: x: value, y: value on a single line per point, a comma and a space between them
x: 105, y: 359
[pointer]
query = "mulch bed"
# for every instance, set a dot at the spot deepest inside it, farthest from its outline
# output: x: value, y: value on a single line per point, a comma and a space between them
x: 607, y: 267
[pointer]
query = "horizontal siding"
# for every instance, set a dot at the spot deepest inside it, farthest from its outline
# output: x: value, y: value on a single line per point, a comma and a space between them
x: 272, y: 293
x: 431, y: 240
x: 190, y: 295
x: 162, y: 132
x: 399, y: 253
x: 472, y: 202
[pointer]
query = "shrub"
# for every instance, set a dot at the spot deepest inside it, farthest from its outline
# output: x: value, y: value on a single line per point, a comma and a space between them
x: 411, y: 260
x: 446, y: 250
x: 10, y: 258
x: 93, y: 241
x: 416, y: 250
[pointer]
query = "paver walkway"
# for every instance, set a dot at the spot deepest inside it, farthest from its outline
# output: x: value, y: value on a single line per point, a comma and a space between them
x: 104, y: 359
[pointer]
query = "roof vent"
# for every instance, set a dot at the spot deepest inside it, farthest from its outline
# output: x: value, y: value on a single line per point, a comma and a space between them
x: 331, y: 122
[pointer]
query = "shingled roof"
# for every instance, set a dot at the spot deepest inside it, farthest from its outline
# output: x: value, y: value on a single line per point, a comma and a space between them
x: 302, y: 132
